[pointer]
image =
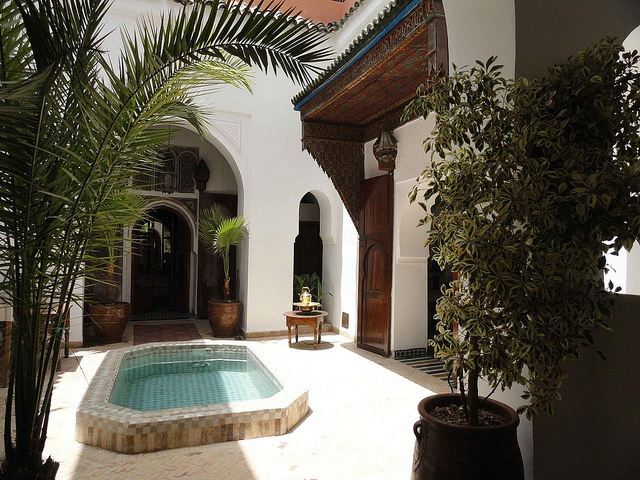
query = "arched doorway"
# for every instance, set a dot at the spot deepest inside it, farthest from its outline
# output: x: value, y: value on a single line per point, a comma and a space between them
x: 307, y: 248
x: 160, y: 270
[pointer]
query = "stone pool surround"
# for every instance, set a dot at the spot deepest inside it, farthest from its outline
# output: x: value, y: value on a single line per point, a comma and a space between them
x: 120, y: 429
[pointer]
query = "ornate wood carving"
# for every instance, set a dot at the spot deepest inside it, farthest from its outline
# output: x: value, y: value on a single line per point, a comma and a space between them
x: 402, y: 34
x: 332, y: 131
x: 177, y: 160
x: 343, y: 162
x: 390, y: 121
x: 187, y: 161
x: 370, y: 95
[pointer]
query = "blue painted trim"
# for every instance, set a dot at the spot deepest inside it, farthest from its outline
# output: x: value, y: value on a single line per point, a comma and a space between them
x: 359, y: 55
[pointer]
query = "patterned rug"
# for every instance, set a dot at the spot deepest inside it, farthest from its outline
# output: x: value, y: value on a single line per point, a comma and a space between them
x: 175, y: 332
x: 166, y: 315
x: 424, y: 363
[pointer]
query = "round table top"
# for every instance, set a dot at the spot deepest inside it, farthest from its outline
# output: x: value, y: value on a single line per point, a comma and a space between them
x: 298, y: 314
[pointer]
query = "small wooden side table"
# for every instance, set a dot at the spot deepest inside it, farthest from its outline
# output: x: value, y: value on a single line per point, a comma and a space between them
x: 315, y: 320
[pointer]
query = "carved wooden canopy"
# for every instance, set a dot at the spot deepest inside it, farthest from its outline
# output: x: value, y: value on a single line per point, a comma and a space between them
x: 366, y: 89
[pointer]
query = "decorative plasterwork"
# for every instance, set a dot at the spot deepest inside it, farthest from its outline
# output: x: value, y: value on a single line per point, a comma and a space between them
x: 231, y: 129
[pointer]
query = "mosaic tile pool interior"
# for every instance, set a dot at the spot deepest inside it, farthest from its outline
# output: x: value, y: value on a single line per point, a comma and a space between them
x: 189, y: 378
x: 160, y: 425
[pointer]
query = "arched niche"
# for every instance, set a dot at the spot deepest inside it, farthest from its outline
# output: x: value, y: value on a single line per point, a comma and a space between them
x: 308, y: 248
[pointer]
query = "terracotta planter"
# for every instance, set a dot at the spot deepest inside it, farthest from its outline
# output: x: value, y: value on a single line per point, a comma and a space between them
x: 457, y: 452
x: 110, y: 321
x: 224, y: 318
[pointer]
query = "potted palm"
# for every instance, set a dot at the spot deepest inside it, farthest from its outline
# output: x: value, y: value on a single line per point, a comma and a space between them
x: 108, y: 314
x: 219, y: 231
x: 531, y: 182
x: 75, y: 129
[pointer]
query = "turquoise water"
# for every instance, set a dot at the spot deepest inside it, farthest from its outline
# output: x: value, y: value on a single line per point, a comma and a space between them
x: 190, y: 378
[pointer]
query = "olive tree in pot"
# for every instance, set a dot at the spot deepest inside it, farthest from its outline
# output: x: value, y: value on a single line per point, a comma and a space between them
x: 530, y: 183
x: 219, y: 231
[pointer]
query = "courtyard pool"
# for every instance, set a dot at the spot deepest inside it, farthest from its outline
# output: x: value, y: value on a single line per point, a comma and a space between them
x: 159, y: 396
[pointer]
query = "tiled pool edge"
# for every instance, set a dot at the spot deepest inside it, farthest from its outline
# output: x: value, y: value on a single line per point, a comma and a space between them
x: 120, y: 429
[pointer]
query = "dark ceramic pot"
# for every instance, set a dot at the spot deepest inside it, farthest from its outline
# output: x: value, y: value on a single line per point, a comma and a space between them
x: 224, y: 318
x: 110, y: 320
x: 445, y: 451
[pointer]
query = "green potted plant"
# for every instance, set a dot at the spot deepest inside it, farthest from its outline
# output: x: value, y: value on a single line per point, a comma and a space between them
x: 531, y: 182
x: 313, y: 283
x: 108, y: 314
x: 219, y: 231
x: 75, y: 129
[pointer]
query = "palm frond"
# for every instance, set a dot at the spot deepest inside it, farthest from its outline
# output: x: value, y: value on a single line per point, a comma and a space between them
x: 75, y: 129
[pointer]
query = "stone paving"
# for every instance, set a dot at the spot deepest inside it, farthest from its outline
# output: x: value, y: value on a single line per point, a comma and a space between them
x: 362, y: 409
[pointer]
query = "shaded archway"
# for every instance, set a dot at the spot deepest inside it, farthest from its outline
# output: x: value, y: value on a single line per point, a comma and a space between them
x: 308, y: 246
x: 161, y: 279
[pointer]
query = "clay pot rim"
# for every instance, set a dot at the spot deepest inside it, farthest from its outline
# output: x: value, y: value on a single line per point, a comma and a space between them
x: 449, y: 398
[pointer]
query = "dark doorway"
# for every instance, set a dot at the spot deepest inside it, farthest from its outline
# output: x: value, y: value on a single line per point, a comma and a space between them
x: 307, y: 249
x: 160, y: 267
x: 374, y: 286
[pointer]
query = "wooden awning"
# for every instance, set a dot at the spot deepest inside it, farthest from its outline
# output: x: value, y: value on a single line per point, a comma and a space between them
x: 366, y: 89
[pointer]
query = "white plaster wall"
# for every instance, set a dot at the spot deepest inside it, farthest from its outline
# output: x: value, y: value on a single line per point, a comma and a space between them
x: 278, y: 174
x: 349, y: 274
x: 255, y: 139
x: 480, y: 29
x: 632, y: 271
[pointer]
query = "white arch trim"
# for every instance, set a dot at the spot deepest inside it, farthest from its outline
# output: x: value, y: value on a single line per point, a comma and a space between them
x: 327, y: 220
x: 192, y: 222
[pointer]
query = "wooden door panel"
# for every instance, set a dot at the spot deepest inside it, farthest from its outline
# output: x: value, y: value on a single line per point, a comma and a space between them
x: 375, y: 265
x: 374, y: 289
x: 375, y: 323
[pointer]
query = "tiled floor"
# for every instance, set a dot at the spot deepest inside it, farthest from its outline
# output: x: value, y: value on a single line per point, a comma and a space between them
x: 362, y: 409
x: 173, y: 332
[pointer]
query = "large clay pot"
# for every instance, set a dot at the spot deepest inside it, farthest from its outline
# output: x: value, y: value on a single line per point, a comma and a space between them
x: 445, y: 451
x: 224, y: 317
x: 110, y: 320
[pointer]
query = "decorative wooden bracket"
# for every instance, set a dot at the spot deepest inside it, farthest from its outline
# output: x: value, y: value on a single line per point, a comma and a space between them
x: 339, y: 150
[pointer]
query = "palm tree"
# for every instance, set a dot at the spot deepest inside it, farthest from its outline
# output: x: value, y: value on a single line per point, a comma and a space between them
x: 219, y: 231
x: 75, y: 128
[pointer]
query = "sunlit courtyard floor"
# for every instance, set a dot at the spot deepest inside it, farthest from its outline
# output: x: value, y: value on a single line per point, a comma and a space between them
x: 359, y: 426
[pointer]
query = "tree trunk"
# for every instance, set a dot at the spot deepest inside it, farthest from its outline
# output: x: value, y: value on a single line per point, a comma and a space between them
x: 472, y: 398
x: 227, y: 289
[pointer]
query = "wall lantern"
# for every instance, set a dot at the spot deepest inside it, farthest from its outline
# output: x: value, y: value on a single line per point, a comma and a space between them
x: 386, y: 150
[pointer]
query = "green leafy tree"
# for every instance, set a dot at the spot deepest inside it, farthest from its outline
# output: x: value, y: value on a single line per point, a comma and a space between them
x: 530, y: 183
x: 75, y: 128
x: 219, y: 231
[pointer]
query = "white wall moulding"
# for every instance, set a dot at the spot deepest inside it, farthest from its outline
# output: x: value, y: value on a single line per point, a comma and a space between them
x: 232, y: 129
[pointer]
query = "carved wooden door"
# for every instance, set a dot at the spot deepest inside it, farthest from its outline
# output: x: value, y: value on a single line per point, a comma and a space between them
x: 374, y: 289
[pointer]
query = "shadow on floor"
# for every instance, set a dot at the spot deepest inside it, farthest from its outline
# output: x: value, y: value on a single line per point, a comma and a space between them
x: 308, y: 345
